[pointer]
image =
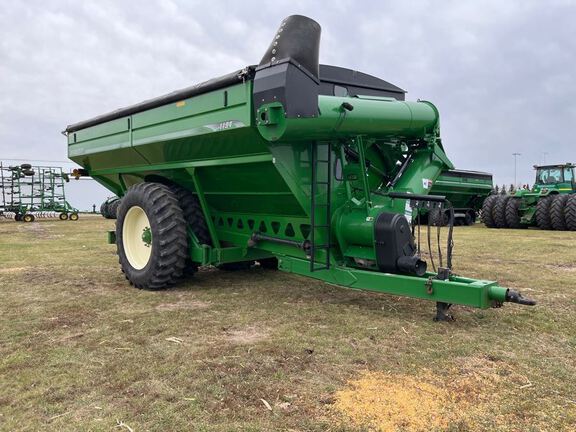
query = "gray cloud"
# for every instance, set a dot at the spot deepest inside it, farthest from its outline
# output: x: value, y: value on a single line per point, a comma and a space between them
x: 501, y: 73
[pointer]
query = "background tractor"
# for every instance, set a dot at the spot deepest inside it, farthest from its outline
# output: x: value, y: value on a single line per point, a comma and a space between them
x: 550, y: 204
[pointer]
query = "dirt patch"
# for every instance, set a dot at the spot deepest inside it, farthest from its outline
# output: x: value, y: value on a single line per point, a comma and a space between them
x: 562, y: 267
x: 456, y: 400
x: 68, y: 319
x: 40, y: 230
x: 13, y: 270
x: 183, y: 305
x: 247, y: 335
x: 387, y: 402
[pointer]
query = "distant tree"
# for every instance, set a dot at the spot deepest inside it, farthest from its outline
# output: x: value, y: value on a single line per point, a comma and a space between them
x: 496, y: 190
x: 503, y: 190
x: 512, y: 189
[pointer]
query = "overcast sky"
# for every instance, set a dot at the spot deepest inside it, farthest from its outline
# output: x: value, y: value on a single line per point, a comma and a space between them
x: 502, y: 73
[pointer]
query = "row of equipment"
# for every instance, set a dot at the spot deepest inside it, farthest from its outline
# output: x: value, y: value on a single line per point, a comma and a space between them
x: 28, y: 192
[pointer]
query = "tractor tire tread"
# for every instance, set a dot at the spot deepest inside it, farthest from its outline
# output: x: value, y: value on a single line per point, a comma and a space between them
x: 487, y: 207
x: 512, y: 213
x: 170, y: 245
x: 557, y: 212
x: 437, y: 217
x: 543, y: 213
x: 570, y: 213
x: 194, y: 217
x: 193, y: 213
x: 499, y: 211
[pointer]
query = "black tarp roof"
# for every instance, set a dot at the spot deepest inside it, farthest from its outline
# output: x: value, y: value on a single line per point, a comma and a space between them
x: 355, y: 81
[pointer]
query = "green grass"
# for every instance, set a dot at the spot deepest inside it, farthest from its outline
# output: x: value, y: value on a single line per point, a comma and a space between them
x: 82, y: 350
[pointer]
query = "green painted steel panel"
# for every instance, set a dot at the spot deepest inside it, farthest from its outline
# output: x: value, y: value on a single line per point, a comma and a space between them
x: 252, y: 173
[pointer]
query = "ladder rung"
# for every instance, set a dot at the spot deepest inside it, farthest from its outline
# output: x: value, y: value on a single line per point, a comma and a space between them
x: 325, y: 246
x: 322, y: 183
x: 321, y: 226
x: 322, y: 160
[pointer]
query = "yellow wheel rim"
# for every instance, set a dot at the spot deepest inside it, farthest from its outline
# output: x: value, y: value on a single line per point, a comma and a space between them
x: 137, y: 237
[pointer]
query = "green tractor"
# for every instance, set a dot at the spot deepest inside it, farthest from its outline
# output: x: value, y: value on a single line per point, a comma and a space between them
x: 551, y: 204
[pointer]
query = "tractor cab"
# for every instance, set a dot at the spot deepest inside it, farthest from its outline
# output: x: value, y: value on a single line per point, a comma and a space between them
x: 559, y: 178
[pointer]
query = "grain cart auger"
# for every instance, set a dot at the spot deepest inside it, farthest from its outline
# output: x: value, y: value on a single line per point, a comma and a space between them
x: 550, y: 204
x: 314, y: 169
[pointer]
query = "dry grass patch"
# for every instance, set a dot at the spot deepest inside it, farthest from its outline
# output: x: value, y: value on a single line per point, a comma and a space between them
x: 82, y: 350
x: 247, y: 335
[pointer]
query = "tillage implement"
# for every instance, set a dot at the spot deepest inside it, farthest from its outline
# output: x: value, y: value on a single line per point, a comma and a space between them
x: 313, y: 169
x: 29, y: 192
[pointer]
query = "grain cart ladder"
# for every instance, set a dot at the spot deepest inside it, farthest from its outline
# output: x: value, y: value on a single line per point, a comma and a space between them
x: 320, y: 191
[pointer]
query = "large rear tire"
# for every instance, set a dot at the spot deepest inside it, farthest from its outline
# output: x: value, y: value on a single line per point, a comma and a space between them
x: 557, y: 212
x: 487, y: 208
x: 113, y: 209
x: 194, y: 217
x: 104, y: 208
x: 543, y: 213
x: 570, y: 213
x: 499, y: 211
x: 513, y: 213
x: 438, y: 217
x: 193, y: 213
x: 151, y: 236
x: 469, y: 218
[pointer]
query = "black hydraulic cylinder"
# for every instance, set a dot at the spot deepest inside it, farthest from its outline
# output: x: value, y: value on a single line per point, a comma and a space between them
x: 258, y: 236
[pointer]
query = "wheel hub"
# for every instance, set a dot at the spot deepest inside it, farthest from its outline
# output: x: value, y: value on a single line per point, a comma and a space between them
x: 147, y: 236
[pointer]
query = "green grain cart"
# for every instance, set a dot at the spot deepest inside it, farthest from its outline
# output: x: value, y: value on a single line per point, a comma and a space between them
x: 312, y: 169
x: 465, y: 190
x: 551, y: 204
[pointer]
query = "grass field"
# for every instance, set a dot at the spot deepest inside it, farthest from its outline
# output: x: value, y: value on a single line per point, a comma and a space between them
x: 263, y: 350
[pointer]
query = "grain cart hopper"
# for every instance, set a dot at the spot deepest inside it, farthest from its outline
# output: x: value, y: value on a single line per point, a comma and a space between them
x: 551, y: 204
x: 274, y: 163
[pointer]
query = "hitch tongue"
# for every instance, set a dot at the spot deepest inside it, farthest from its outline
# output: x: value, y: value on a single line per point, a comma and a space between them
x: 515, y: 297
